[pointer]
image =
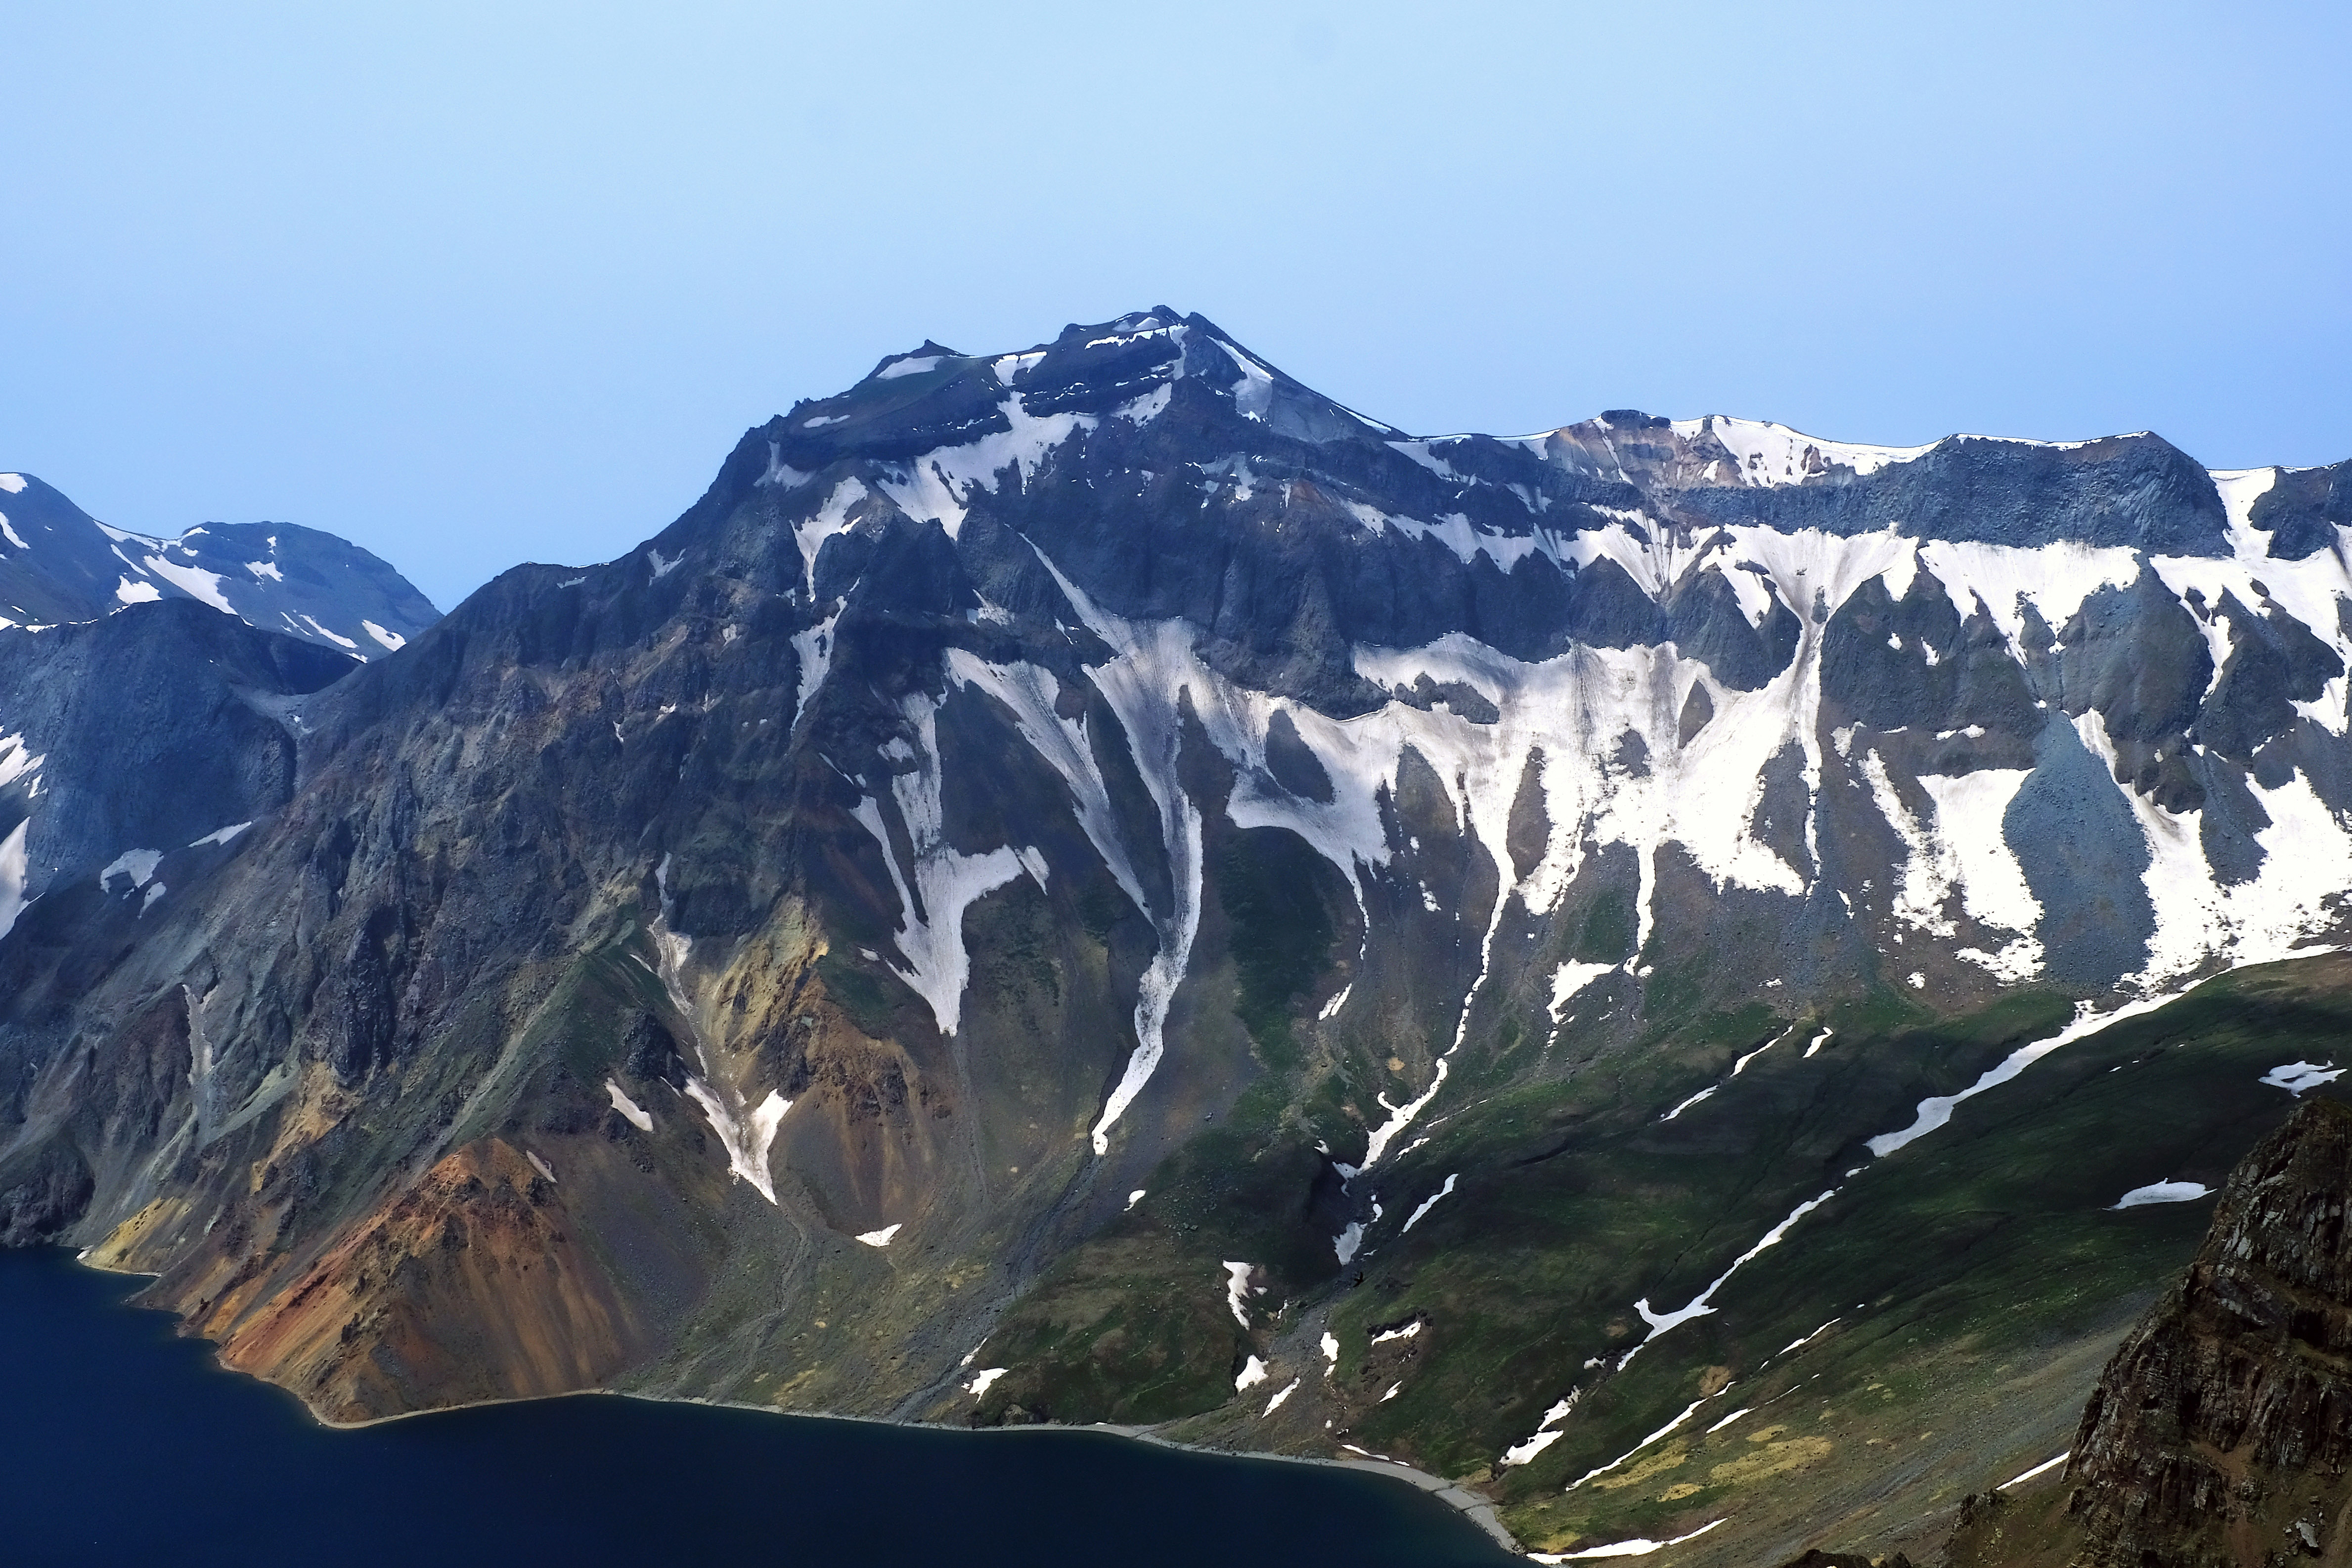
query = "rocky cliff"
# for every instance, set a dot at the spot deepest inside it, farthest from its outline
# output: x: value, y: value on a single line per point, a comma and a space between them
x: 1631, y: 964
x: 2220, y: 1432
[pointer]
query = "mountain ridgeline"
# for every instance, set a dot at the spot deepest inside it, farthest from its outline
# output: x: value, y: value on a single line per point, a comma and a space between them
x: 1095, y: 883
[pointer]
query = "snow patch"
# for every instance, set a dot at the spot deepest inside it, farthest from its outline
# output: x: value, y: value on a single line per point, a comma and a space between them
x: 391, y: 639
x: 2164, y: 1192
x: 1237, y: 1291
x: 136, y: 865
x: 1572, y: 978
x: 983, y: 1380
x: 1640, y: 1546
x: 337, y: 638
x: 946, y: 882
x: 1688, y: 1411
x: 2043, y: 1468
x: 938, y: 486
x: 1252, y: 1373
x: 1699, y: 1304
x: 1426, y: 1205
x: 746, y: 1140
x: 635, y: 1114
x: 878, y: 1238
x: 1686, y: 1105
x: 12, y: 875
x: 196, y: 583
x: 1937, y: 1109
x: 2297, y: 1076
x: 220, y: 835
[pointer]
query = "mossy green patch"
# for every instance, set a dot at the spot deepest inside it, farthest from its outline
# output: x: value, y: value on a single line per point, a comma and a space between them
x: 1272, y: 887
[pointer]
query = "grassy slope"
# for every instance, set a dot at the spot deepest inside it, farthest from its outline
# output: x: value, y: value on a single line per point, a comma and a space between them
x: 1978, y: 1277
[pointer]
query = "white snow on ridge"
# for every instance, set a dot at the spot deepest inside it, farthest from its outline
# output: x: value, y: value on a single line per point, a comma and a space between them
x: 813, y: 647
x: 1254, y: 392
x: 12, y: 483
x: 1578, y: 717
x: 1772, y: 453
x: 912, y: 365
x: 938, y: 485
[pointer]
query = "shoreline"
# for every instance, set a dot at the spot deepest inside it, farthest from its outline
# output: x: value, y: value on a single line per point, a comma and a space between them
x: 1479, y: 1510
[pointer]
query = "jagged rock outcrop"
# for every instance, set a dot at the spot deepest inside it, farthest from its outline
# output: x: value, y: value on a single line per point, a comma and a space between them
x: 2221, y: 1432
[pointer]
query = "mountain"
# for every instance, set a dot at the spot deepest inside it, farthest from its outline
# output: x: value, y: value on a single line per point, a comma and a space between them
x: 1633, y: 967
x: 59, y: 565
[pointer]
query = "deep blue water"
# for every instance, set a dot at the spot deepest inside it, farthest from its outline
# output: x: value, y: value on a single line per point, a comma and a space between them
x: 121, y: 1443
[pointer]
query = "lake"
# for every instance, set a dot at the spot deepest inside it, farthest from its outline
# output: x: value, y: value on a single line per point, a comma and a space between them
x: 121, y: 1442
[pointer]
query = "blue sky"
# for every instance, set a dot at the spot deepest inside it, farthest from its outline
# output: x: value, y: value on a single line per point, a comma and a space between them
x: 478, y: 284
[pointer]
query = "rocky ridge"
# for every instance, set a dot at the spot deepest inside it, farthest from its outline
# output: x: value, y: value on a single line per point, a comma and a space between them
x: 59, y: 566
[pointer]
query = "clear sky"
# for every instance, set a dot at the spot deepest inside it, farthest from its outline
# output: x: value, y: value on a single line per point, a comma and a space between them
x: 479, y: 282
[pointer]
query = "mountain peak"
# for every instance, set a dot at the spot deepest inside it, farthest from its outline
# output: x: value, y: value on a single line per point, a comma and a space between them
x: 59, y: 565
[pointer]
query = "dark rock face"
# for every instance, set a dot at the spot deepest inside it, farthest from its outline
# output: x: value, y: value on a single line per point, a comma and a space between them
x: 2221, y: 1432
x: 155, y: 727
x: 2303, y: 508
